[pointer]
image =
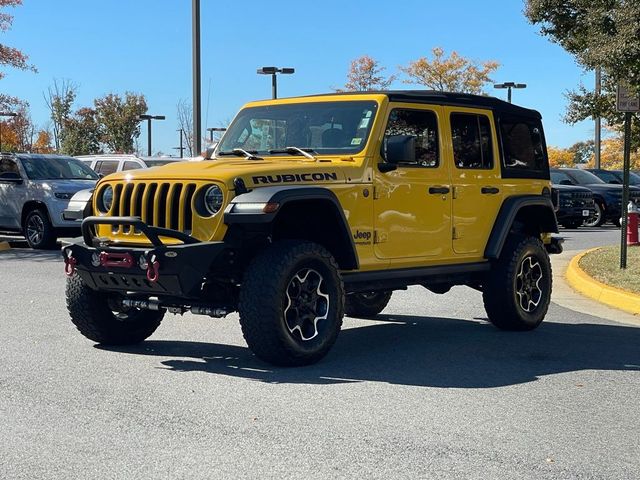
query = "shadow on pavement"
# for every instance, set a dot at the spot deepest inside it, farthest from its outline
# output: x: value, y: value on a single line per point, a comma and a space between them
x: 423, y: 351
x: 20, y: 250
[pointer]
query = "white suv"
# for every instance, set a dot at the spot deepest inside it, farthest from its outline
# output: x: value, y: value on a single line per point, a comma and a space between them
x: 35, y: 190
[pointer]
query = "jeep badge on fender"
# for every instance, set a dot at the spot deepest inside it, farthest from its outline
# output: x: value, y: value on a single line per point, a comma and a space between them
x: 314, y: 207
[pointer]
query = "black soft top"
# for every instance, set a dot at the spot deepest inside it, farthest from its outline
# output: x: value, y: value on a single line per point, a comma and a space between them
x: 448, y: 98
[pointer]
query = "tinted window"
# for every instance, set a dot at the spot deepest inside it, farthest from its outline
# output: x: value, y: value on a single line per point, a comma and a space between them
x: 559, y: 177
x: 52, y: 168
x: 607, y: 177
x: 472, y: 146
x: 523, y: 143
x: 421, y: 124
x: 107, y: 166
x: 8, y: 168
x: 128, y: 165
x: 582, y: 177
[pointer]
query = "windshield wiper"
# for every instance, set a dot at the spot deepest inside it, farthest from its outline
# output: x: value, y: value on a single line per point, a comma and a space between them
x: 305, y: 152
x: 239, y: 152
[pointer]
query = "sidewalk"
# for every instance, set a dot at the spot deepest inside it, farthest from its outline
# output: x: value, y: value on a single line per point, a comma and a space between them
x: 564, y: 295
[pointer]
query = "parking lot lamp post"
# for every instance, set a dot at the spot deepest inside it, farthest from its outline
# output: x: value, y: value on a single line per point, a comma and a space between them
x: 5, y: 114
x: 214, y: 129
x: 273, y: 71
x: 148, y: 118
x: 509, y: 86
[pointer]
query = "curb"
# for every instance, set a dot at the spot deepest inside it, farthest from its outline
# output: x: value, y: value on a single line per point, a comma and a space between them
x: 598, y: 291
x: 4, y: 246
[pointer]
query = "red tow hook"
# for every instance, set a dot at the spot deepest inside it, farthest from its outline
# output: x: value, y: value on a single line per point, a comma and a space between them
x: 70, y: 265
x: 153, y: 268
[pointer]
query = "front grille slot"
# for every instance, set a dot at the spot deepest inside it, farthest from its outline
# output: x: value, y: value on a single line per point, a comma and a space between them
x: 159, y: 204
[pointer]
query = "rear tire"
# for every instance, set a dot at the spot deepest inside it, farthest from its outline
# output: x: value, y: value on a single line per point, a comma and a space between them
x: 368, y: 304
x: 291, y: 303
x: 91, y: 314
x: 518, y: 290
x: 38, y: 231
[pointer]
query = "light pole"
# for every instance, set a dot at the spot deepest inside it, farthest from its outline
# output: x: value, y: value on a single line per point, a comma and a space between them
x: 180, y: 148
x: 273, y: 71
x: 597, y: 140
x: 214, y: 129
x: 148, y: 118
x: 5, y: 114
x: 509, y: 86
x: 197, y: 88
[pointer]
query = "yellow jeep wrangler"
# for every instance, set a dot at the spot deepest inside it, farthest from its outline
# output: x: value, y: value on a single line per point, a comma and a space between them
x: 314, y: 207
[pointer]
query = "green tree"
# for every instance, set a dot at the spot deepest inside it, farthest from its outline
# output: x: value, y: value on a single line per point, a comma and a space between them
x: 582, y: 151
x: 10, y: 56
x: 599, y: 33
x: 365, y: 74
x: 81, y: 133
x: 450, y: 74
x: 118, y: 120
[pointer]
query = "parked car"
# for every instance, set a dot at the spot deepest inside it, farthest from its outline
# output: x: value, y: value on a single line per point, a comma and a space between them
x: 34, y: 191
x: 107, y: 163
x: 615, y: 176
x: 607, y: 196
x: 575, y: 205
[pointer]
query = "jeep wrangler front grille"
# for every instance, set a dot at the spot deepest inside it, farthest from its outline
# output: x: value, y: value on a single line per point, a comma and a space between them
x: 160, y: 204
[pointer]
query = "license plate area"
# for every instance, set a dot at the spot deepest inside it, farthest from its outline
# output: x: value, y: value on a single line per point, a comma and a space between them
x: 585, y: 213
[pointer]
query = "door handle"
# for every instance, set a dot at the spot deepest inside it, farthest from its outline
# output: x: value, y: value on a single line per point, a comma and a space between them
x: 438, y: 190
x: 490, y: 190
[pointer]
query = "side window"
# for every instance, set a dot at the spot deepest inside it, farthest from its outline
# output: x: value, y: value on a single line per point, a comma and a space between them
x: 472, y: 146
x: 107, y: 167
x: 129, y: 165
x: 523, y: 144
x: 423, y: 126
x: 8, y: 168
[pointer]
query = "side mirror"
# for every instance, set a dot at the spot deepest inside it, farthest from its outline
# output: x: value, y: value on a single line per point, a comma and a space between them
x: 11, y: 177
x: 566, y: 182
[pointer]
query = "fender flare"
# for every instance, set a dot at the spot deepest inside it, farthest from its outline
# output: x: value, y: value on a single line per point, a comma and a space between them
x: 281, y: 196
x: 507, y: 215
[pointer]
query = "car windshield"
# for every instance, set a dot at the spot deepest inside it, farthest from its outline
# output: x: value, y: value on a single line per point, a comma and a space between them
x: 634, y: 178
x: 582, y: 177
x: 319, y: 127
x: 57, y: 168
x: 560, y: 177
x: 608, y: 177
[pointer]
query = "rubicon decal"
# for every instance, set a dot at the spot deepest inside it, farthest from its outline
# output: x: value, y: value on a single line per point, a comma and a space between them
x: 295, y: 177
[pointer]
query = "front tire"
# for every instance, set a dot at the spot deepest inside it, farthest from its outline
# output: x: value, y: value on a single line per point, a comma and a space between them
x: 518, y: 291
x: 38, y: 231
x: 366, y: 305
x: 291, y: 303
x: 597, y: 218
x: 92, y: 315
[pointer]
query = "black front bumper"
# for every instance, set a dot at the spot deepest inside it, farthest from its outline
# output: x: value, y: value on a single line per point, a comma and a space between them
x: 181, y: 269
x: 575, y: 213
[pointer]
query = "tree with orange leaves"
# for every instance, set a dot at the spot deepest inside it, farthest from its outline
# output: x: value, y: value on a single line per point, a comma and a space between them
x: 450, y: 74
x: 365, y: 74
x: 10, y: 56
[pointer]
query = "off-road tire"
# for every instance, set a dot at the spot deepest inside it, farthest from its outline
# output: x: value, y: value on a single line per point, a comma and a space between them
x: 502, y: 302
x: 572, y: 224
x: 366, y: 305
x: 91, y: 314
x: 598, y: 217
x: 45, y: 237
x: 265, y: 299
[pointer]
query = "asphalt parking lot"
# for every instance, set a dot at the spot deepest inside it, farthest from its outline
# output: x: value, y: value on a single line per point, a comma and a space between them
x: 427, y: 390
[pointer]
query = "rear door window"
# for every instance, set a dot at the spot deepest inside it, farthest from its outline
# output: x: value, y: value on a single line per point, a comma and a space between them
x: 472, y: 146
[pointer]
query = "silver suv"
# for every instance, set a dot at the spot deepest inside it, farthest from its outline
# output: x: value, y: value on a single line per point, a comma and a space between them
x: 35, y: 190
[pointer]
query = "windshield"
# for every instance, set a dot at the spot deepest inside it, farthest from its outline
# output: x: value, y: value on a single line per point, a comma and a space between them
x: 57, y: 168
x: 583, y: 178
x: 634, y: 178
x: 608, y: 177
x: 322, y: 127
x: 559, y: 177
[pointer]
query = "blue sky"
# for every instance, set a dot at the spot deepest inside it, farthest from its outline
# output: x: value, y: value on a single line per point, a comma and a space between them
x: 144, y: 46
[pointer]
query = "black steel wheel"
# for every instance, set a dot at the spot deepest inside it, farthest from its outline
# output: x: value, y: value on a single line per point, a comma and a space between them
x: 291, y: 303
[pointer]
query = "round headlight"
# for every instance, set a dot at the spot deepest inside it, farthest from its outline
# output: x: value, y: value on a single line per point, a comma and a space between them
x: 213, y: 199
x: 106, y: 199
